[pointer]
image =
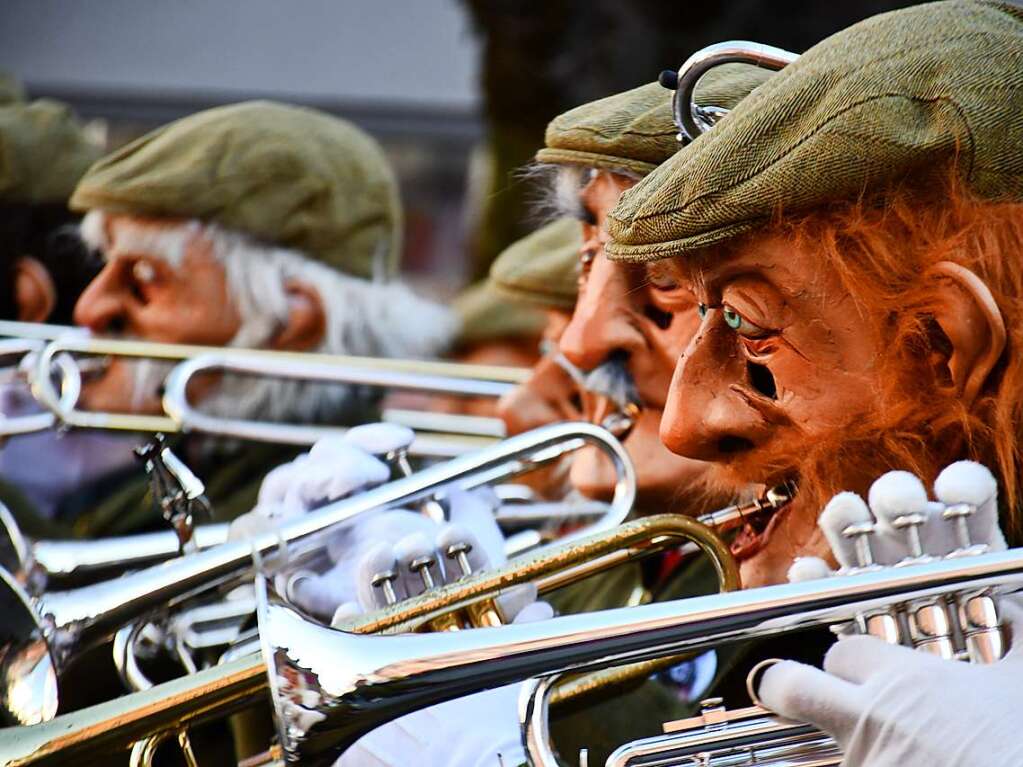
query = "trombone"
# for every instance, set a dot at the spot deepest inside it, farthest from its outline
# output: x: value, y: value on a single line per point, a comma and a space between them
x: 441, y: 435
x: 43, y: 634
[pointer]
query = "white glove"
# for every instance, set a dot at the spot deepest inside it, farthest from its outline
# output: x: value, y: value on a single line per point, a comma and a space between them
x: 334, y: 468
x: 480, y: 730
x: 887, y: 705
x: 890, y: 706
x: 473, y: 523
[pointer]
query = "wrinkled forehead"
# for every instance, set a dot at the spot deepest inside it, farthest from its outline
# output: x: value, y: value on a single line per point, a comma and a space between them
x: 118, y: 235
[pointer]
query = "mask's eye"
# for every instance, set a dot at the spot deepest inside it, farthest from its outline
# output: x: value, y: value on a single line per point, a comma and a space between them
x: 701, y: 309
x: 741, y: 325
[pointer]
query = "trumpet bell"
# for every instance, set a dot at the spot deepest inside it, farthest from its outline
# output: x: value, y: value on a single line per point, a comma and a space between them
x: 28, y: 686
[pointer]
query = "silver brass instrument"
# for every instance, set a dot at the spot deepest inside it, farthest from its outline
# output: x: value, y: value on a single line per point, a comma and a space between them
x: 691, y: 118
x: 448, y: 439
x: 440, y: 434
x: 36, y: 564
x: 331, y: 687
x: 42, y: 634
x: 352, y: 683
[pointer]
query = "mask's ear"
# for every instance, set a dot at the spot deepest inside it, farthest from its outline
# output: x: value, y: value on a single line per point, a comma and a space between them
x: 971, y: 320
x: 307, y: 321
x: 34, y: 292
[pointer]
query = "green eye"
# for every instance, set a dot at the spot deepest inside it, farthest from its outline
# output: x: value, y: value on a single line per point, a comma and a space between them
x: 732, y: 318
x: 701, y: 309
x: 741, y: 325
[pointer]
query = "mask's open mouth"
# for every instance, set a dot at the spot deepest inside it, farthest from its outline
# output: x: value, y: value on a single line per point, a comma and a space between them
x: 756, y: 532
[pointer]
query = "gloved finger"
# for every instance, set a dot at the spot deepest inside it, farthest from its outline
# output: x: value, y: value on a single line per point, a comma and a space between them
x: 475, y: 511
x: 277, y: 481
x: 379, y: 438
x: 453, y: 537
x: 808, y: 569
x: 374, y: 526
x: 373, y: 571
x: 249, y: 525
x: 533, y: 612
x: 306, y: 592
x: 417, y: 562
x: 329, y: 478
x: 806, y: 694
x: 972, y: 483
x: 893, y: 497
x: 859, y: 658
x: 513, y: 600
x: 843, y: 510
x: 345, y: 614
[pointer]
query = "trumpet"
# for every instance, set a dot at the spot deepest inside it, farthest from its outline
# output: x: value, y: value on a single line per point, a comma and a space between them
x: 450, y: 437
x: 694, y: 120
x: 43, y: 634
x: 330, y: 686
x: 172, y: 707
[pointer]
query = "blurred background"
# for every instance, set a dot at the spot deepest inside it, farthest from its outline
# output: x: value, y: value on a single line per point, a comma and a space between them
x: 459, y: 91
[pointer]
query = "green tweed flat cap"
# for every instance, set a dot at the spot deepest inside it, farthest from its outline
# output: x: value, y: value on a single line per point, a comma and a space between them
x: 543, y: 267
x: 43, y: 152
x: 635, y: 131
x: 487, y: 314
x: 286, y: 175
x: 897, y: 97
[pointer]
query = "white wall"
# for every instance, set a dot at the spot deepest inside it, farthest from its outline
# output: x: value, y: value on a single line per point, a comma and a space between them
x: 410, y: 52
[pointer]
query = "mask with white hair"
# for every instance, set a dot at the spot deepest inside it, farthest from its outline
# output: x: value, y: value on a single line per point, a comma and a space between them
x: 376, y: 319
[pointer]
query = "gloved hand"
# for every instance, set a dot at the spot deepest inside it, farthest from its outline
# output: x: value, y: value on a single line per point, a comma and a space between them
x: 480, y: 730
x: 888, y: 705
x: 335, y: 467
x: 473, y: 523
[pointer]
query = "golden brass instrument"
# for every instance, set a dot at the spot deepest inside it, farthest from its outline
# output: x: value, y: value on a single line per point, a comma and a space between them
x: 170, y: 708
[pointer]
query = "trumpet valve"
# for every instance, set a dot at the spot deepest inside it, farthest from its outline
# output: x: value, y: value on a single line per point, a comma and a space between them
x: 384, y: 581
x: 484, y: 613
x: 421, y: 567
x: 959, y: 514
x: 982, y: 631
x: 859, y: 533
x: 911, y: 524
x: 459, y: 552
x: 930, y: 628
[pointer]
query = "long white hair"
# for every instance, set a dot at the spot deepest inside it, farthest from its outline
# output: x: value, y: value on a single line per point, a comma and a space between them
x: 363, y: 317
